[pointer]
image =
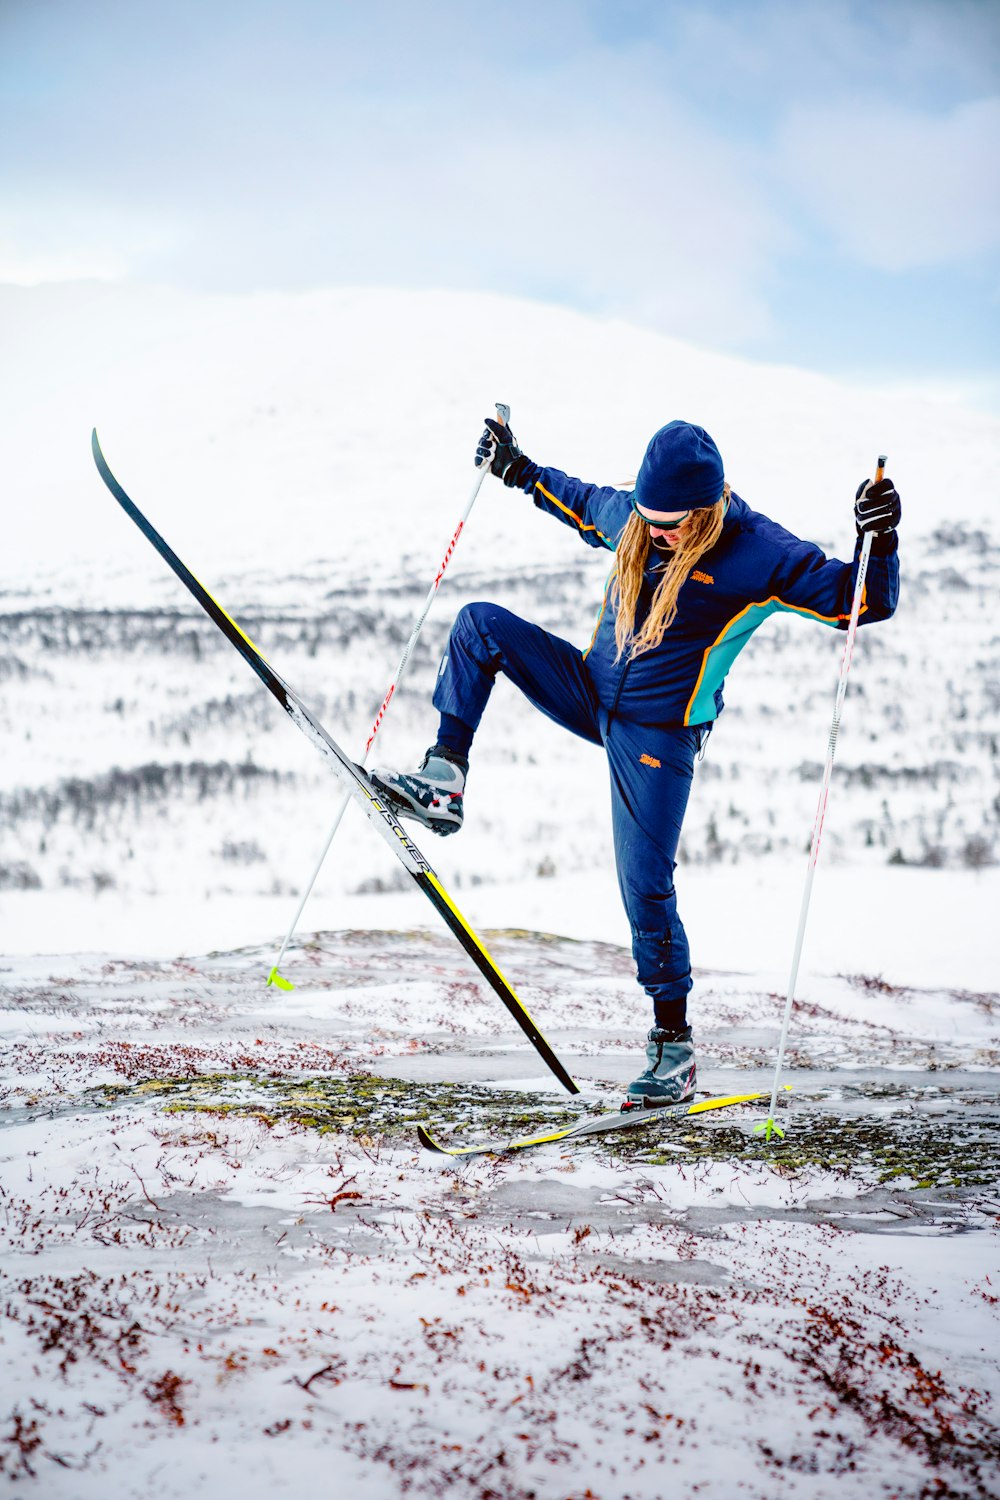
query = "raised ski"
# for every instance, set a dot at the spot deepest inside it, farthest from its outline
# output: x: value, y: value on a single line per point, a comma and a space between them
x: 351, y: 777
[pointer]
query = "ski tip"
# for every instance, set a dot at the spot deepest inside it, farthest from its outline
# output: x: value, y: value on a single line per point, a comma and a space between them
x: 428, y: 1142
x: 278, y: 979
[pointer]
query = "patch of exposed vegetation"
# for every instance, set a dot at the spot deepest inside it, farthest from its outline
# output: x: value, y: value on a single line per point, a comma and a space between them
x: 358, y: 1103
x: 905, y: 1147
x: 933, y: 1147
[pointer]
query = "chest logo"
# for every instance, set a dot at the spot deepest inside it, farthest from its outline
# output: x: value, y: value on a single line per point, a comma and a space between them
x: 700, y: 577
x: 649, y: 760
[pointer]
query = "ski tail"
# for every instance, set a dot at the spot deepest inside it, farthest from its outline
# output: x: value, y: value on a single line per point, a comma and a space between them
x: 473, y: 945
x: 376, y: 808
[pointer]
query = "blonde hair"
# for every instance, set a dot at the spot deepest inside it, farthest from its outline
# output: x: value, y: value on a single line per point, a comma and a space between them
x: 699, y: 533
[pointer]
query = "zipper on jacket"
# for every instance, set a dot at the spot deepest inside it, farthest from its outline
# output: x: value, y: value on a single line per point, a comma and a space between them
x: 618, y: 689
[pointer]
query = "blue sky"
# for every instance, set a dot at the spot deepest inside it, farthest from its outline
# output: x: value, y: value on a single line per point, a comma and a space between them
x: 814, y: 183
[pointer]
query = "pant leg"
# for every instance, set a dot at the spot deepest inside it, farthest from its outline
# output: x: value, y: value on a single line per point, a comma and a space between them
x: 651, y: 774
x: 486, y: 640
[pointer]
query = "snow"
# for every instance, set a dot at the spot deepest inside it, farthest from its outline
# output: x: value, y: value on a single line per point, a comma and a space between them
x: 744, y: 920
x: 310, y: 420
x: 196, y: 1276
x: 221, y: 1246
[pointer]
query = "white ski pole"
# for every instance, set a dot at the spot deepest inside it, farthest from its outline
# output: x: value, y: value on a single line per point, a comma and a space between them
x: 503, y: 416
x: 769, y: 1127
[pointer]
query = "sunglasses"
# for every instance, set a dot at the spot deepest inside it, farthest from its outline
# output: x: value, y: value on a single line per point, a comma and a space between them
x: 661, y: 525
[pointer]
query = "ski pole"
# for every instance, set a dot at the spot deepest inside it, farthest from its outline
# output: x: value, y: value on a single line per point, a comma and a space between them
x: 769, y: 1127
x: 503, y: 416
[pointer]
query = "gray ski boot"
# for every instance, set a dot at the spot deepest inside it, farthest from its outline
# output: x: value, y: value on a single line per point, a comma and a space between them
x: 670, y: 1074
x: 431, y: 795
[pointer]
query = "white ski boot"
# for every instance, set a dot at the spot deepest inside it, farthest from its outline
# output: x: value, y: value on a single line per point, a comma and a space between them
x: 670, y: 1074
x: 431, y: 795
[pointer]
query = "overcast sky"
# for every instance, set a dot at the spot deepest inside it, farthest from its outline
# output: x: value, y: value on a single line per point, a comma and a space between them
x: 813, y: 182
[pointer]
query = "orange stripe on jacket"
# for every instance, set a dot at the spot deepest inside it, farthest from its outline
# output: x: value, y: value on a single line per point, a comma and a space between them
x: 567, y: 512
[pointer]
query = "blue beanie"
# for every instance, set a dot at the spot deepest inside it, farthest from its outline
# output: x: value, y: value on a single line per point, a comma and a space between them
x: 681, y: 470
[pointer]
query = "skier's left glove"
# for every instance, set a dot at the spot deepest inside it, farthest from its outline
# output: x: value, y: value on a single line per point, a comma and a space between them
x: 877, y: 509
x: 498, y: 448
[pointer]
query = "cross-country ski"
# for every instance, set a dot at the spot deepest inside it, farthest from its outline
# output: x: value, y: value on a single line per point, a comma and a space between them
x: 604, y: 1124
x: 350, y: 775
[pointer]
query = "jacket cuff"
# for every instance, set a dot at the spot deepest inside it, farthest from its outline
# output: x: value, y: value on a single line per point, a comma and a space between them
x: 527, y: 473
x: 884, y: 543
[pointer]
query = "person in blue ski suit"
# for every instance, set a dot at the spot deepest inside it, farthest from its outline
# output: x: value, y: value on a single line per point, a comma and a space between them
x: 649, y: 687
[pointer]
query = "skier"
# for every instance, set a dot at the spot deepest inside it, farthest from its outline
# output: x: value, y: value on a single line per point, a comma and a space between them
x: 695, y: 572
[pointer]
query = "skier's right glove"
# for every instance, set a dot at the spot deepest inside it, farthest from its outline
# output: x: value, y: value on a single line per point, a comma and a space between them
x: 498, y: 448
x: 877, y: 509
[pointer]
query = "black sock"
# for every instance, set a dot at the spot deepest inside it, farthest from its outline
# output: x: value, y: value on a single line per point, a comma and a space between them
x: 455, y: 738
x: 670, y: 1015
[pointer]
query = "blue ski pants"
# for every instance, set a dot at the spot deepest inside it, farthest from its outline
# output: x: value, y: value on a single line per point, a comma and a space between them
x: 651, y: 770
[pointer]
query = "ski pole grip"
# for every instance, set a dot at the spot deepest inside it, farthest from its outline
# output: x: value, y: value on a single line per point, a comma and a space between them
x: 503, y: 413
x: 880, y: 471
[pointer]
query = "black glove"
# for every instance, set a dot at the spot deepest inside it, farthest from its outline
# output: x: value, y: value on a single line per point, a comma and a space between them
x: 498, y: 448
x: 877, y: 509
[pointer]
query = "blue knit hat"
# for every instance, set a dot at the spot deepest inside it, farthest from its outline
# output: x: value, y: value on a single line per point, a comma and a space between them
x: 681, y: 470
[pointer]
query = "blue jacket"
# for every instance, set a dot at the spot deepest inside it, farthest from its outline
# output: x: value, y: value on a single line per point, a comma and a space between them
x: 755, y: 569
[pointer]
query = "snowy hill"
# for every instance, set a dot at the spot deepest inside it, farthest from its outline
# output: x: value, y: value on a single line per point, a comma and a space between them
x: 309, y: 458
x: 336, y: 425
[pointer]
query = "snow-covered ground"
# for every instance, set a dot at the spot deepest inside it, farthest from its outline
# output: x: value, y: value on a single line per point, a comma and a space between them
x: 221, y: 1245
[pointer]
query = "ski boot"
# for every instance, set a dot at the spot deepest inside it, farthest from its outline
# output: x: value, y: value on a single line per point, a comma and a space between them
x: 670, y: 1074
x: 431, y: 795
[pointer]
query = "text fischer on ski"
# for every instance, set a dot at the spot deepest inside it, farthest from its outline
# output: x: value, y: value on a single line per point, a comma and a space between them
x: 695, y: 572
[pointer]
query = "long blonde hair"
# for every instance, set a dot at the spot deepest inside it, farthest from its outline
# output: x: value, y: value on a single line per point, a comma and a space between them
x: 699, y: 533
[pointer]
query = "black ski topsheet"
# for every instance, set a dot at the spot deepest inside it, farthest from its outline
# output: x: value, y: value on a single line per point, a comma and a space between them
x: 376, y: 808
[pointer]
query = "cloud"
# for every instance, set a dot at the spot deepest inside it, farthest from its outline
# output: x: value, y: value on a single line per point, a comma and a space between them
x: 578, y: 178
x: 68, y: 234
x: 621, y: 199
x: 898, y: 189
x: 20, y: 267
x: 690, y: 167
